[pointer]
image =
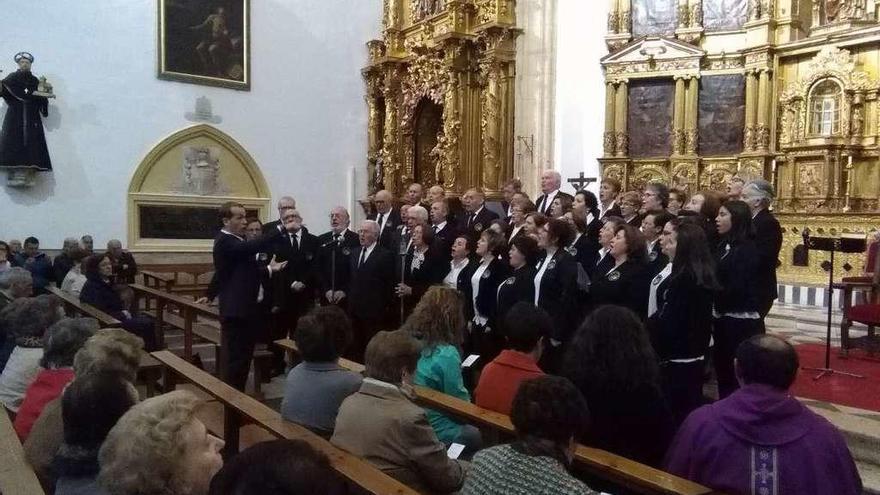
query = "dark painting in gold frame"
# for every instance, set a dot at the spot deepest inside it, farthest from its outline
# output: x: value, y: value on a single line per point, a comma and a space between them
x: 205, y: 42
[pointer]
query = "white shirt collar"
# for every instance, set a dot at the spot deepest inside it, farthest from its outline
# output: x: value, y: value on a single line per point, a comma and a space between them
x: 230, y: 233
x: 369, y: 250
x: 441, y: 225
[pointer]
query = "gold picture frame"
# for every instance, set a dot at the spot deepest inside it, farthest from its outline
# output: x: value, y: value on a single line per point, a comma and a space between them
x: 205, y: 42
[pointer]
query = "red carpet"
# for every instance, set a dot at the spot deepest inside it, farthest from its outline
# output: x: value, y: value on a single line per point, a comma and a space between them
x: 863, y: 393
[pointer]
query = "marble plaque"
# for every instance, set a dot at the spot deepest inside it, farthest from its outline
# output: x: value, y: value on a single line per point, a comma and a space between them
x: 649, y: 119
x: 181, y: 222
x: 653, y: 17
x: 722, y: 114
x: 724, y: 15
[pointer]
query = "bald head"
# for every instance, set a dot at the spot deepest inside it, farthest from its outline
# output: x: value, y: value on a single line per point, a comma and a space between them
x: 550, y: 181
x: 383, y: 200
x: 472, y: 200
x: 767, y: 360
x: 436, y: 193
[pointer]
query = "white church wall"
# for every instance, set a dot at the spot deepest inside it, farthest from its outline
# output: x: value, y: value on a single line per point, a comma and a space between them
x: 580, y: 88
x: 304, y: 120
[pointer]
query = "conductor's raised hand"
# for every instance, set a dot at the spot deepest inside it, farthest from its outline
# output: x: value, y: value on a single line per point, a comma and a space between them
x: 275, y: 266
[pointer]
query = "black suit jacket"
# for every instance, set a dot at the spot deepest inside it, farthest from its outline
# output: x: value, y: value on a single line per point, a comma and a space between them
x: 518, y: 287
x: 385, y: 237
x: 626, y: 285
x: 487, y: 298
x: 429, y: 272
x: 558, y: 292
x: 347, y: 244
x: 300, y: 268
x: 737, y: 271
x: 444, y: 238
x: 480, y: 223
x: 370, y: 290
x: 681, y: 326
x: 593, y: 229
x: 237, y: 273
x: 768, y: 241
x: 125, y: 268
x: 656, y: 260
x: 614, y: 211
x: 545, y: 208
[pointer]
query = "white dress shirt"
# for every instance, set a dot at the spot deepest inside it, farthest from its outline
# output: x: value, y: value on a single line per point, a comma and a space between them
x: 652, y: 299
x: 451, y: 279
x: 548, y: 200
x: 540, y: 275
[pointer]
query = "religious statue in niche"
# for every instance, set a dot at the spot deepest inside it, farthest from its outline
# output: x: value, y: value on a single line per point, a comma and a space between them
x: 201, y: 171
x: 23, y: 150
x: 810, y: 183
x: 426, y: 8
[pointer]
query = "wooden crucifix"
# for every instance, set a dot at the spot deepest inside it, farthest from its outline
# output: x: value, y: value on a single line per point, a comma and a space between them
x: 580, y: 182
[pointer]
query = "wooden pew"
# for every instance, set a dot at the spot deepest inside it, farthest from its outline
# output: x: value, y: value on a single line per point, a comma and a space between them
x: 74, y: 306
x: 610, y: 467
x: 168, y: 276
x: 239, y: 408
x: 17, y: 477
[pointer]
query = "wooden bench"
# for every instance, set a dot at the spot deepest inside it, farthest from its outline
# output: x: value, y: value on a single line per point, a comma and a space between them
x: 168, y: 276
x: 610, y: 467
x: 17, y: 477
x: 240, y: 408
x: 74, y: 306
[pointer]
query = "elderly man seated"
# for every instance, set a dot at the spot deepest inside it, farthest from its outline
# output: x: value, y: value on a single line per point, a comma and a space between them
x: 124, y: 265
x: 760, y: 439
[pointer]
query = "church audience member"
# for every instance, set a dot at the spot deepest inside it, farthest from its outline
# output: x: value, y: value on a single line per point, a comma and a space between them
x: 423, y: 267
x: 16, y: 283
x: 100, y: 293
x: 758, y: 195
x: 334, y: 251
x: 481, y: 294
x: 630, y: 206
x: 560, y: 206
x: 519, y: 212
x: 63, y: 262
x: 62, y: 341
x: 677, y: 200
x: 533, y: 224
x: 551, y: 182
x: 520, y: 284
x: 370, y: 290
x: 680, y: 314
x: 548, y: 414
x: 316, y: 387
x: 110, y: 351
x: 611, y: 361
x: 476, y: 217
x: 652, y: 228
x: 735, y: 188
x: 587, y: 206
x: 90, y: 407
x: 387, y: 217
x: 525, y: 328
x: 284, y: 203
x: 75, y: 279
x: 14, y: 248
x: 762, y: 439
x: 736, y: 311
x: 655, y: 197
x: 437, y: 323
x: 381, y: 424
x: 5, y: 258
x: 36, y: 262
x: 461, y: 267
x: 124, y: 266
x: 626, y: 280
x: 87, y: 244
x: 159, y: 447
x: 609, y: 189
x: 278, y: 467
x: 30, y: 319
x: 556, y: 287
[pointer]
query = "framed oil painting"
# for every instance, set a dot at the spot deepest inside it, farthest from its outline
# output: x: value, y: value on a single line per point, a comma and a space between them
x: 205, y: 42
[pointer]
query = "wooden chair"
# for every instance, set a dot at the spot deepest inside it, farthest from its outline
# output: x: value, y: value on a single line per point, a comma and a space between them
x: 867, y: 313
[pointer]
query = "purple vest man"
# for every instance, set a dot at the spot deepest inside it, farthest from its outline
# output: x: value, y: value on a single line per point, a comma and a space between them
x: 761, y: 440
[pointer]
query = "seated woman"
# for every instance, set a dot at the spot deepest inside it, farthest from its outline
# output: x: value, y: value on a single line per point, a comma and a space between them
x: 63, y: 340
x: 283, y: 467
x: 159, y: 447
x: 100, y: 293
x: 525, y: 327
x: 381, y: 424
x: 16, y: 283
x: 90, y: 406
x: 30, y: 318
x: 437, y: 323
x: 613, y: 364
x: 548, y: 414
x: 316, y: 387
x: 75, y: 279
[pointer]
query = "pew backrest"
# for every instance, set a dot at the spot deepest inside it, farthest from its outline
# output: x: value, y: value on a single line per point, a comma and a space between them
x: 74, y: 305
x: 16, y: 475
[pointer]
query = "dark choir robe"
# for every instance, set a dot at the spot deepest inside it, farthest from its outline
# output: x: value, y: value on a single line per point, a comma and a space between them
x: 391, y: 224
x: 463, y: 285
x: 557, y: 290
x: 370, y: 296
x: 518, y: 287
x: 586, y: 253
x: 333, y: 267
x: 768, y: 240
x: 635, y: 221
x: 443, y: 240
x: 474, y: 225
x: 656, y: 259
x: 625, y: 285
x: 22, y: 140
x: 593, y: 227
x: 61, y: 265
x: 421, y: 271
x: 511, y: 235
x: 613, y: 211
x: 487, y: 341
x: 602, y: 266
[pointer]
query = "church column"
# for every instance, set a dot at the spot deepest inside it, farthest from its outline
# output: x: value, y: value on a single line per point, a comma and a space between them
x: 620, y: 115
x: 678, y: 139
x: 613, y: 17
x: 625, y: 16
x: 609, y: 140
x: 691, y: 117
x: 749, y: 131
x: 762, y: 129
x: 696, y: 14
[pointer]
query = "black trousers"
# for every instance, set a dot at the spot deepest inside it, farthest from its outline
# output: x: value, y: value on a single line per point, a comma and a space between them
x: 683, y: 386
x: 728, y: 334
x: 237, y: 341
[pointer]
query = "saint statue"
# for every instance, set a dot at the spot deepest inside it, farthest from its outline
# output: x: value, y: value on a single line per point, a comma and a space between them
x: 23, y: 150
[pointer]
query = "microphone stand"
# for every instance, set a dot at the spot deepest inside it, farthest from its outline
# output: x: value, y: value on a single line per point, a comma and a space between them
x: 402, y: 248
x: 333, y: 270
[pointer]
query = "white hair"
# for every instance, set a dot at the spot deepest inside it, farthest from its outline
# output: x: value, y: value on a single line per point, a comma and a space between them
x: 760, y: 189
x: 420, y: 211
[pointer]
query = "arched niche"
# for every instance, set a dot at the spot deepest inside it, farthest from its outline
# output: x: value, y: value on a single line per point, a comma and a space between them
x: 178, y: 187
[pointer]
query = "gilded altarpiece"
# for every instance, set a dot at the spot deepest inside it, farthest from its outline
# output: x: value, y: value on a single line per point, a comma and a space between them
x: 786, y: 90
x: 440, y: 92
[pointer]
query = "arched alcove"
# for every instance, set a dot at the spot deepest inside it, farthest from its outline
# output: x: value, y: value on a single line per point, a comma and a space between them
x: 176, y: 190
